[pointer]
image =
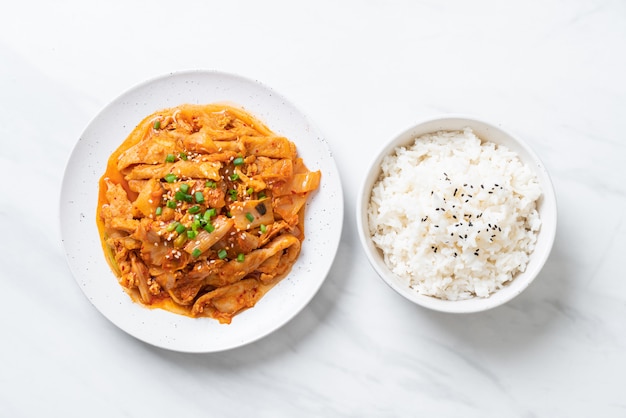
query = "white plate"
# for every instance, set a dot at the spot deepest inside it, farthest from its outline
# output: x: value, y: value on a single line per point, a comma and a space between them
x: 323, y: 223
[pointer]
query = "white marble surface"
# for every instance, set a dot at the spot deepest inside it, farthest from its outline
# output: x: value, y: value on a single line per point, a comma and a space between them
x: 551, y: 71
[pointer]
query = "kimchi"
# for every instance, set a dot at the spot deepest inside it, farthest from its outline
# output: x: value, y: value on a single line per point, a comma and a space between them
x: 201, y: 210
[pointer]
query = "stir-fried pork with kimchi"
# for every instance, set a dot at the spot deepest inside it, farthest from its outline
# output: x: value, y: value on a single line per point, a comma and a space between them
x: 201, y: 210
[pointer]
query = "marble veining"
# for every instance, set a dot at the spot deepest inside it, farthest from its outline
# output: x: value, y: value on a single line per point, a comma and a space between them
x: 551, y: 72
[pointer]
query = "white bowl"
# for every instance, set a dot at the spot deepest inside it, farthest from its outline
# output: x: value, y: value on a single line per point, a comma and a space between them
x: 546, y: 208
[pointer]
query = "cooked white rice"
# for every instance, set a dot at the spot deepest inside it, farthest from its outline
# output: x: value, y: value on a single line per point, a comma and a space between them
x: 455, y: 216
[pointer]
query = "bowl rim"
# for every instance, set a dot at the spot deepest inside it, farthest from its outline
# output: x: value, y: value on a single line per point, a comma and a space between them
x: 547, y: 208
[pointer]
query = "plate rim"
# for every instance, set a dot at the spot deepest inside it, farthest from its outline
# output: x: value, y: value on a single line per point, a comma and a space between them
x: 320, y: 142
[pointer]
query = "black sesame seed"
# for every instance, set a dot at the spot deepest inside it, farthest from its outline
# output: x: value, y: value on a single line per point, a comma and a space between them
x: 261, y: 209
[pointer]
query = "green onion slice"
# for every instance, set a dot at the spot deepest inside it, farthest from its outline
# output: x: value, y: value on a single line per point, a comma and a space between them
x: 179, y: 195
x: 222, y: 254
x: 172, y: 226
x: 180, y: 240
x: 170, y: 178
x: 238, y: 161
x: 209, y: 214
x: 196, y: 253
